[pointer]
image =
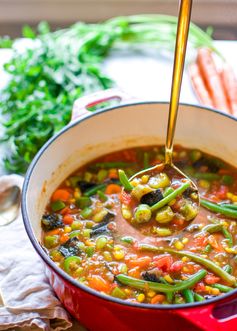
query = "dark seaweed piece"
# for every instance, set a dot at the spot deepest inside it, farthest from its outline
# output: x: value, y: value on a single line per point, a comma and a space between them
x: 151, y: 276
x: 99, y: 230
x: 51, y: 222
x: 152, y: 197
x: 102, y: 226
x: 71, y: 247
x: 188, y: 192
x: 213, y: 165
x: 84, y: 185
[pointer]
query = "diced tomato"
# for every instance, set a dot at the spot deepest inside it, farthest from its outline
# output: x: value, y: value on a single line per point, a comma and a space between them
x: 141, y: 262
x: 176, y: 266
x: 67, y: 219
x: 130, y: 156
x: 65, y: 211
x: 200, y: 241
x: 211, y: 279
x: 134, y: 272
x: 163, y: 262
x: 98, y: 283
x: 222, y: 192
x: 61, y: 194
x: 200, y: 287
x: 178, y: 221
x: 125, y: 198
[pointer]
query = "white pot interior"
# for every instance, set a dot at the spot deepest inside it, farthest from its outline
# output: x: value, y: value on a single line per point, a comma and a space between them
x: 126, y: 126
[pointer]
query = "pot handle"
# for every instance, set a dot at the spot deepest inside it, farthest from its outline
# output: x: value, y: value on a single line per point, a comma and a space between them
x: 222, y: 317
x: 80, y: 105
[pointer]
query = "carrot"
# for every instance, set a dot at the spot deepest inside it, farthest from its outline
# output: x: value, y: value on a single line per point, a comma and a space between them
x: 64, y: 237
x: 68, y: 219
x: 60, y: 194
x: 212, y: 79
x: 54, y: 232
x: 113, y: 189
x: 134, y: 272
x: 141, y: 262
x: 199, y: 86
x: 113, y: 174
x: 229, y: 81
x: 98, y: 283
x: 159, y: 298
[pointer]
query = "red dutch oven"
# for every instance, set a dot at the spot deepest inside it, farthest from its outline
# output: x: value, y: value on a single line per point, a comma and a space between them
x: 91, y: 135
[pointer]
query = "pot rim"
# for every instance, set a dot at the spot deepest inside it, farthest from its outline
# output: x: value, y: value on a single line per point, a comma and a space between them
x: 41, y: 252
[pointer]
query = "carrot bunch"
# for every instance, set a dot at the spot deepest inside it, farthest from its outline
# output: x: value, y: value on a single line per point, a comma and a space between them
x: 214, y: 88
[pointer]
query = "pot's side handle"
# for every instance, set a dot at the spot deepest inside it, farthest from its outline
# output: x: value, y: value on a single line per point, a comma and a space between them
x: 80, y: 105
x: 209, y: 319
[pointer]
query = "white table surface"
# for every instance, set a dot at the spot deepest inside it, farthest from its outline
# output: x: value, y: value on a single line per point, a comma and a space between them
x: 147, y: 77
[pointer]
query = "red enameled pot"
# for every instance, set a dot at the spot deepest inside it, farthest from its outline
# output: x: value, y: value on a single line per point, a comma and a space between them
x: 90, y: 135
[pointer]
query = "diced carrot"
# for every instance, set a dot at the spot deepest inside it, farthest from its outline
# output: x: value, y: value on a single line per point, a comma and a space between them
x: 134, y: 272
x: 113, y: 189
x: 61, y: 194
x: 68, y: 219
x: 64, y: 238
x: 213, y: 242
x: 65, y: 211
x: 98, y: 283
x: 212, y: 79
x: 211, y: 279
x: 113, y: 174
x: 200, y: 241
x: 163, y: 262
x: 229, y: 81
x: 54, y: 232
x: 141, y: 262
x: 199, y: 86
x: 159, y: 298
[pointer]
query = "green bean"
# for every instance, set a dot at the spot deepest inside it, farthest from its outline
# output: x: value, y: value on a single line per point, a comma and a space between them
x: 222, y: 288
x: 103, y: 197
x: 188, y: 295
x: 158, y: 287
x: 146, y: 160
x: 198, y: 297
x: 211, y: 228
x: 208, y: 248
x: 206, y: 175
x: 218, y: 208
x: 168, y: 191
x: 229, y: 205
x: 170, y: 295
x: 170, y: 197
x: 227, y: 180
x: 124, y: 180
x: 110, y: 165
x: 94, y: 190
x: 228, y: 236
x: 228, y: 268
x: 210, y: 265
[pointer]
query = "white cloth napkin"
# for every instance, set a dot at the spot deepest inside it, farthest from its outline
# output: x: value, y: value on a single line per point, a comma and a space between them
x: 26, y: 300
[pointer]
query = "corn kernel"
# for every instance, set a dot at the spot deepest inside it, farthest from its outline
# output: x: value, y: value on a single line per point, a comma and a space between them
x: 168, y: 278
x: 208, y: 289
x: 72, y: 200
x: 67, y: 229
x: 178, y: 245
x: 145, y: 179
x: 232, y: 197
x: 135, y: 182
x: 128, y: 291
x: 230, y: 250
x: 172, y: 202
x: 185, y: 259
x: 107, y: 256
x: 215, y: 291
x: 118, y: 254
x: 126, y: 212
x: 151, y: 294
x: 77, y: 194
x: 185, y: 240
x: 203, y: 184
x: 140, y: 297
x: 185, y: 269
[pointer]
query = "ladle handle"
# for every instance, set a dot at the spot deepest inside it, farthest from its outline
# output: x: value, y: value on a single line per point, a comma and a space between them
x: 179, y: 59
